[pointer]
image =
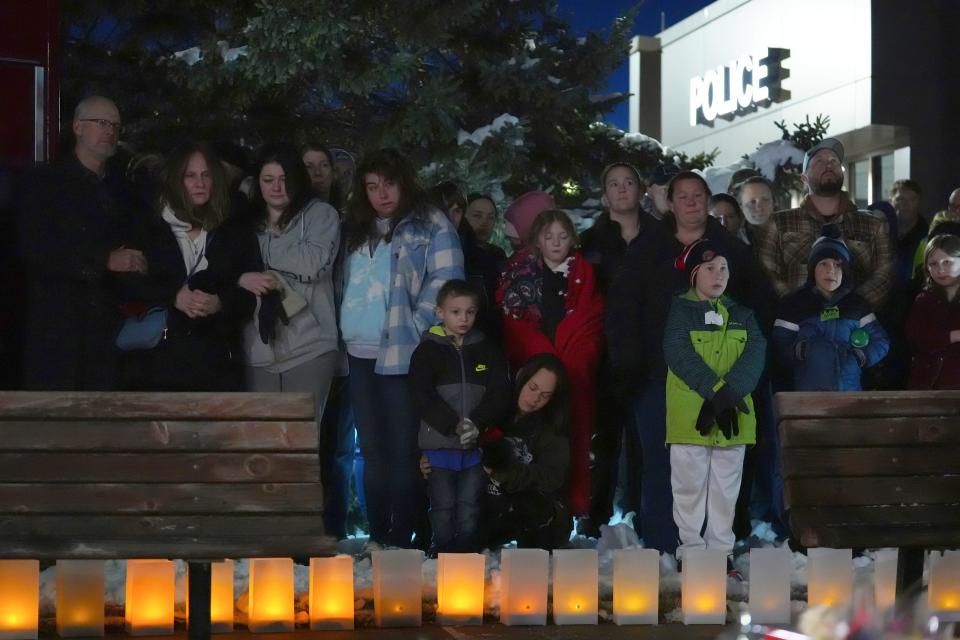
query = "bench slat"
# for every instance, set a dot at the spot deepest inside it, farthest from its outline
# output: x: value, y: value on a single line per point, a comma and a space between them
x: 206, y: 548
x: 159, y: 498
x: 42, y: 405
x: 825, y: 432
x: 158, y: 435
x: 870, y: 404
x: 816, y: 517
x: 77, y: 468
x: 894, y: 461
x: 925, y: 536
x: 904, y: 490
x: 158, y: 526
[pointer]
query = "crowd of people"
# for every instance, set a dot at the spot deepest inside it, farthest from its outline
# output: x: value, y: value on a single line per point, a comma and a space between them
x: 494, y: 398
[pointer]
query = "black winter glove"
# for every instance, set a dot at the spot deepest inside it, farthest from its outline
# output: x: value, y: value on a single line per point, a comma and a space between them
x: 496, y: 454
x: 729, y: 423
x: 271, y: 310
x: 726, y: 398
x: 705, y: 419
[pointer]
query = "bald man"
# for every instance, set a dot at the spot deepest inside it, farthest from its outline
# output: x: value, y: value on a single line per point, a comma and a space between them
x: 72, y: 243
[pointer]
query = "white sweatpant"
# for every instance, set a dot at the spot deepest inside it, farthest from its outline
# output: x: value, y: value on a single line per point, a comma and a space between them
x: 706, y: 482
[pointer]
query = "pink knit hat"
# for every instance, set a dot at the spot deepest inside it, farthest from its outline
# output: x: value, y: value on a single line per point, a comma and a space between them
x: 524, y: 210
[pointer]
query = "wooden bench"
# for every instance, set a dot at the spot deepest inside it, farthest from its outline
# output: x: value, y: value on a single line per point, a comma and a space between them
x: 192, y: 476
x: 873, y: 469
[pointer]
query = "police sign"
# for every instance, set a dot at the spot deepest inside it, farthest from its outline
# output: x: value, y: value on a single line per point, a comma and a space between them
x: 741, y: 86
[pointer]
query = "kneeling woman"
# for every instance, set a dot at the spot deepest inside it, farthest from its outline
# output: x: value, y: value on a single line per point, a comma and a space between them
x: 527, y: 462
x: 194, y: 257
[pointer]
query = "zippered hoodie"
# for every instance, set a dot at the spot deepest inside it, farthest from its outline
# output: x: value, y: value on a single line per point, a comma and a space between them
x: 450, y: 383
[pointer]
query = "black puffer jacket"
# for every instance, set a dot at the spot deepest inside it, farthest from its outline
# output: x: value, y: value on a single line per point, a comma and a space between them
x: 449, y: 384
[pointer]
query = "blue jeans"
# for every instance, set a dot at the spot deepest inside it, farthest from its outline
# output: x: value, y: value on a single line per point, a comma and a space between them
x: 455, y: 508
x: 387, y: 427
x: 656, y: 494
x: 337, y: 446
x: 769, y: 489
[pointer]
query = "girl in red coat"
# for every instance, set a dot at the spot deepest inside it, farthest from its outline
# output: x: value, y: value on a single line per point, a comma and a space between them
x: 933, y: 327
x: 551, y: 304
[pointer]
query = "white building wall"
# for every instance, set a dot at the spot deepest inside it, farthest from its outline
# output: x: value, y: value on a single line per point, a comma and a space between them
x: 829, y: 63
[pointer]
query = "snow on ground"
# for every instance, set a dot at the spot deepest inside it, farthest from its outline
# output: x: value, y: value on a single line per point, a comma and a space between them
x: 618, y: 535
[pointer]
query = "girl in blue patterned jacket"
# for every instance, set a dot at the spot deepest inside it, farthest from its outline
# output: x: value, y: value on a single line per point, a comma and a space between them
x: 825, y: 332
x: 397, y: 253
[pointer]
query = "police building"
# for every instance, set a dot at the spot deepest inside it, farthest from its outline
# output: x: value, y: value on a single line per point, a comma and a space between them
x: 886, y: 72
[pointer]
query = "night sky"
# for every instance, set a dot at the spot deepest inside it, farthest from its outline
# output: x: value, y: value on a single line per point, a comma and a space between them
x: 597, y: 15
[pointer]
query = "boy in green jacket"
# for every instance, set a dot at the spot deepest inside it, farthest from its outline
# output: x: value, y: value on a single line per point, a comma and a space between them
x: 714, y: 352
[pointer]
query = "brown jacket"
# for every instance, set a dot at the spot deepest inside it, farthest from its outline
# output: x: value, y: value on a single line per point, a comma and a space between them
x: 783, y: 244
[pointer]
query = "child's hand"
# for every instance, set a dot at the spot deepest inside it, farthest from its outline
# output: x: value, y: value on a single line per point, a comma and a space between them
x: 468, y: 432
x: 705, y: 419
x: 729, y: 423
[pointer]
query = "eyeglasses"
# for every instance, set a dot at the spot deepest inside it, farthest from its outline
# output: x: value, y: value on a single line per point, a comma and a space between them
x: 105, y: 124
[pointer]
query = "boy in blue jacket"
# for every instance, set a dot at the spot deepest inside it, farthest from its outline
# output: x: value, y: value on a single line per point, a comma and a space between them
x: 825, y: 332
x: 461, y: 387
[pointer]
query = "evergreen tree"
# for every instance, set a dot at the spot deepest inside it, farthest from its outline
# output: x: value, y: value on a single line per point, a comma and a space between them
x: 495, y: 93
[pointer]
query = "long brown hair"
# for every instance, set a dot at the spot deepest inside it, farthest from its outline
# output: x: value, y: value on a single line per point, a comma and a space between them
x: 390, y: 164
x: 173, y: 194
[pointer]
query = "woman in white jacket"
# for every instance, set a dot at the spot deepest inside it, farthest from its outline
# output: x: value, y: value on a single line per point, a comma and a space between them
x: 291, y: 345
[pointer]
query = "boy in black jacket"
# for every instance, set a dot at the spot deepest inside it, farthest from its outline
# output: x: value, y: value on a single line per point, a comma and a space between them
x: 460, y: 387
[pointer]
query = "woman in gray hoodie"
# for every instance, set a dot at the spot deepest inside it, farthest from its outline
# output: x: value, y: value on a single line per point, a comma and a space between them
x: 291, y: 344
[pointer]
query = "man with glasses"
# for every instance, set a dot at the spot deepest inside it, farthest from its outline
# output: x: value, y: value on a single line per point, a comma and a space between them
x: 73, y: 230
x: 784, y: 243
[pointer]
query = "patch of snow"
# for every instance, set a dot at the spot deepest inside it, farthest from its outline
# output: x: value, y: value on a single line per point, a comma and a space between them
x: 235, y: 53
x: 190, y: 56
x: 718, y: 178
x: 607, y: 96
x: 530, y: 63
x: 642, y: 141
x: 554, y: 80
x: 481, y: 134
x: 775, y: 154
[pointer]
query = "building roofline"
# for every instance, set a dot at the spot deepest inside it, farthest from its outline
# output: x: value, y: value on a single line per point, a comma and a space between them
x: 697, y: 20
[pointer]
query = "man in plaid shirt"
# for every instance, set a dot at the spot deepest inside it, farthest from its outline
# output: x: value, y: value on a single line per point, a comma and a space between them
x: 783, y: 244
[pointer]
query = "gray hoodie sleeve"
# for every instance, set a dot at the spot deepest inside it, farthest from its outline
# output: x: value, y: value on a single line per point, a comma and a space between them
x: 308, y: 246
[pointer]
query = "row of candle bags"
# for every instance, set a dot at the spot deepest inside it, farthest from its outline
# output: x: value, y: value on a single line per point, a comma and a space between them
x: 397, y: 590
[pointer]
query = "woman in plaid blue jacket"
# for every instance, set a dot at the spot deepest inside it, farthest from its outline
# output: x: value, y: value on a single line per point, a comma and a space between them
x: 397, y: 253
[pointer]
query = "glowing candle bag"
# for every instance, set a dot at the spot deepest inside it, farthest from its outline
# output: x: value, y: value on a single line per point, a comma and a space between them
x: 636, y: 586
x: 885, y: 578
x: 704, y: 586
x: 79, y: 598
x: 397, y: 588
x: 331, y: 593
x: 149, y: 597
x: 943, y: 591
x: 770, y: 586
x: 523, y: 586
x: 19, y: 599
x: 271, y: 595
x: 575, y: 586
x: 829, y: 577
x: 460, y: 588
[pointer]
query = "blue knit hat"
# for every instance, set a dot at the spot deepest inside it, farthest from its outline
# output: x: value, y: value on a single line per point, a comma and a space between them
x: 830, y: 244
